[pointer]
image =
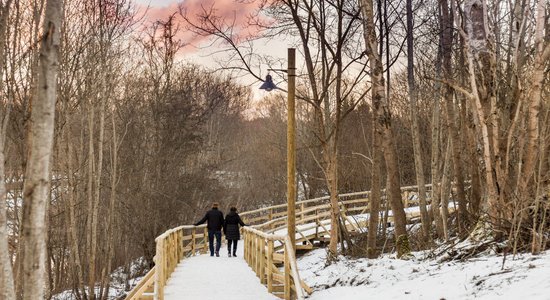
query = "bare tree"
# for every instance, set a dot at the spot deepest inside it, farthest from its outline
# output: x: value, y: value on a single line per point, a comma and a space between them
x: 7, y: 290
x: 383, y: 115
x: 36, y: 190
x: 330, y: 55
x: 418, y: 160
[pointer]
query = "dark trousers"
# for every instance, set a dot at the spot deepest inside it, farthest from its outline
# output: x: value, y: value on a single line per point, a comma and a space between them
x: 234, y: 242
x: 211, y: 235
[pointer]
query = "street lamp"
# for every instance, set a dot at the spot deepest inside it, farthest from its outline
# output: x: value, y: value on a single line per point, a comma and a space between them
x: 268, y: 85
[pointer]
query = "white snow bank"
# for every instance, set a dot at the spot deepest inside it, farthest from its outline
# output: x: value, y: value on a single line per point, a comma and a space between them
x: 526, y: 277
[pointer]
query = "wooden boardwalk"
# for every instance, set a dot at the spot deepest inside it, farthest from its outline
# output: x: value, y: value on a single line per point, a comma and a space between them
x: 180, y: 264
x: 213, y: 278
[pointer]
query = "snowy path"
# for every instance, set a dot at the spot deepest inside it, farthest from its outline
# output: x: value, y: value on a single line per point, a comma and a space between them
x: 213, y: 278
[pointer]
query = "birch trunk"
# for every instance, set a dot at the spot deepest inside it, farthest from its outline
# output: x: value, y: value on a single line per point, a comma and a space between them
x: 7, y: 288
x: 332, y: 180
x: 375, y: 195
x: 445, y: 191
x: 91, y: 198
x: 110, y: 237
x: 37, y: 178
x: 97, y: 191
x: 71, y: 192
x: 479, y: 55
x: 451, y: 116
x: 383, y: 116
x: 532, y: 151
x: 418, y: 160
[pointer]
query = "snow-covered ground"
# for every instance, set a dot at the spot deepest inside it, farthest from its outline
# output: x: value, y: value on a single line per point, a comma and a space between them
x: 118, y: 282
x: 483, y: 277
x: 213, y: 278
x: 525, y: 277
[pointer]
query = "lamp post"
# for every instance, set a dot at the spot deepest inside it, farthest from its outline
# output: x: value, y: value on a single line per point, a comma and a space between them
x: 268, y: 85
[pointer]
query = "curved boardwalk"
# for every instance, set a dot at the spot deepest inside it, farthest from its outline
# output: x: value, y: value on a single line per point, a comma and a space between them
x: 213, y: 278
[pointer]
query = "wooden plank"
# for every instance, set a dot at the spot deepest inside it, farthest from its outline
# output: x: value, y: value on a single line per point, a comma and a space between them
x: 304, y: 247
x: 306, y: 287
x: 278, y: 258
x: 270, y: 266
x: 143, y: 285
x: 280, y: 278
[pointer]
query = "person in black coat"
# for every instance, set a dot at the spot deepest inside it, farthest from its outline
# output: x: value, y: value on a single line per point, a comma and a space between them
x: 215, y: 222
x: 231, y: 230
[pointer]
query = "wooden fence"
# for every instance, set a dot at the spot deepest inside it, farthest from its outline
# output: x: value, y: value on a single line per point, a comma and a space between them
x: 273, y: 218
x: 267, y: 245
x: 261, y: 256
x: 172, y: 246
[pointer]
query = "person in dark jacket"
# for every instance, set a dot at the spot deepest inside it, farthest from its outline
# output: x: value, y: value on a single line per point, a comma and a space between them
x: 214, y: 219
x: 231, y: 230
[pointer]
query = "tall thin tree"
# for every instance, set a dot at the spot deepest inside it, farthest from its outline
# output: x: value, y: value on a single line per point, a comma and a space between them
x: 36, y: 189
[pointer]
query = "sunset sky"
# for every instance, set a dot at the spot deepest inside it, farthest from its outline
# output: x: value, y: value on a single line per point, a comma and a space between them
x: 196, y: 53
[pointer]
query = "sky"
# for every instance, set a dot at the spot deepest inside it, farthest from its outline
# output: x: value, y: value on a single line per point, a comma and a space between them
x: 196, y: 53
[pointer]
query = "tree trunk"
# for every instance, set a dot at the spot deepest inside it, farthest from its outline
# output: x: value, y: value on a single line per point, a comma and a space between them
x: 452, y: 126
x: 375, y: 195
x: 36, y: 188
x: 479, y: 55
x: 418, y: 160
x: 383, y: 115
x: 71, y: 193
x: 445, y: 191
x: 7, y: 288
x: 532, y: 151
x: 332, y: 180
x: 97, y: 192
x: 91, y: 199
x: 110, y: 237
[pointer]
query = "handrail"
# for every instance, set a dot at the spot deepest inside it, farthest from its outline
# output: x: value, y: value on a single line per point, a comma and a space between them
x: 289, y: 251
x: 172, y: 246
x: 260, y: 252
x: 265, y: 214
x: 261, y: 256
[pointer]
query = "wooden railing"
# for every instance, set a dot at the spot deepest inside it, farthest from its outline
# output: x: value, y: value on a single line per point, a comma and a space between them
x: 266, y: 242
x: 261, y: 256
x: 273, y: 218
x: 172, y: 246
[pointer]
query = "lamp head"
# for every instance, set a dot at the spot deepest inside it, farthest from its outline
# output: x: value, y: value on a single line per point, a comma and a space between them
x: 268, y: 84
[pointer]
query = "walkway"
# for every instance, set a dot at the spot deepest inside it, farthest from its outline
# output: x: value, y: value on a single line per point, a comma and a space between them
x: 213, y: 278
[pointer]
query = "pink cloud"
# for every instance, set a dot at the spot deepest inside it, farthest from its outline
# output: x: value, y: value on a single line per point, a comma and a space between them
x: 234, y: 12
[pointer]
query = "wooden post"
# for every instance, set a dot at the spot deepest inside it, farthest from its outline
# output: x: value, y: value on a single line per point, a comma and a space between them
x: 270, y: 266
x: 205, y: 240
x: 262, y: 261
x: 316, y: 223
x: 180, y: 244
x: 248, y: 241
x: 246, y: 246
x: 291, y: 148
x: 257, y: 255
x: 159, y: 272
x: 261, y: 254
x: 193, y: 246
x: 270, y: 216
x: 287, y: 287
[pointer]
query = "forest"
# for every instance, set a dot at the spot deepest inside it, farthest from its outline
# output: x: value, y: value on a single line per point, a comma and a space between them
x: 110, y: 133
